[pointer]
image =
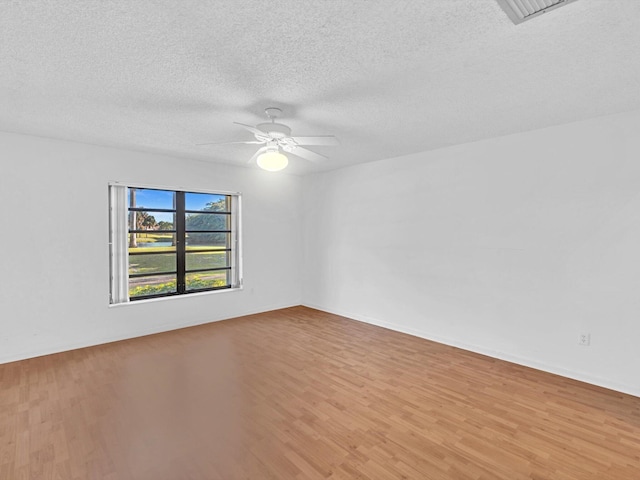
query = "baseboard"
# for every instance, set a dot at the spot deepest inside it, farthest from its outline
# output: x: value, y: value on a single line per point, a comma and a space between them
x: 92, y: 342
x: 526, y: 362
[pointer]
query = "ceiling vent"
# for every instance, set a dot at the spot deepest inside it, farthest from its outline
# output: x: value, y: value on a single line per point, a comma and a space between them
x: 521, y: 10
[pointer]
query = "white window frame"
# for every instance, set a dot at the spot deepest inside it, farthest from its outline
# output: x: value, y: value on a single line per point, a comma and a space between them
x: 119, y: 248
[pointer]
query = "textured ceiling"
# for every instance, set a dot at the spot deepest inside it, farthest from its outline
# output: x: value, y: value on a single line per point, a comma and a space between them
x: 387, y: 77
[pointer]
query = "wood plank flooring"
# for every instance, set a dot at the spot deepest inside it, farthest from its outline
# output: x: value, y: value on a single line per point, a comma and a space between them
x: 301, y: 394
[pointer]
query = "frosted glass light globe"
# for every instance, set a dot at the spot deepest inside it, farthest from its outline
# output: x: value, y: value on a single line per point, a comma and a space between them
x: 272, y: 161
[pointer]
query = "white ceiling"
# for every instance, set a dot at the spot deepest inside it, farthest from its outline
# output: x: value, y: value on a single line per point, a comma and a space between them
x: 387, y: 77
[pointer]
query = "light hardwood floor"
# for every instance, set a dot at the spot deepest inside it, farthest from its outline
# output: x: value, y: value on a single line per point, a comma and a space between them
x: 301, y: 394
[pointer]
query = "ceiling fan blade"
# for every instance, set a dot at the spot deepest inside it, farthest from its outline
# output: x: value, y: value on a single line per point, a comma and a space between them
x: 253, y: 130
x: 254, y: 142
x: 255, y: 155
x: 308, y: 154
x: 317, y: 140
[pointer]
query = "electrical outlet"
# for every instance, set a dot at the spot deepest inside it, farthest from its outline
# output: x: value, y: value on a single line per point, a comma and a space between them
x: 584, y: 339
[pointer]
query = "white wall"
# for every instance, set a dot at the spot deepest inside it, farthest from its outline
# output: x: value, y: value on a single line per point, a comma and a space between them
x: 511, y: 247
x: 54, y: 275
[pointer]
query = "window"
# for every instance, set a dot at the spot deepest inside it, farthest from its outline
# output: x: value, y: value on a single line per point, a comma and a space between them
x: 172, y: 242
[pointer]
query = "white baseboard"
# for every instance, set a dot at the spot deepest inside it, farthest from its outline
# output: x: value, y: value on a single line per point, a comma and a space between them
x: 92, y: 342
x: 527, y: 362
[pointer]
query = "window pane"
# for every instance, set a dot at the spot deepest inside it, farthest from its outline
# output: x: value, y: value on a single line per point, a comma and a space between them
x: 207, y: 221
x: 151, y: 220
x: 206, y: 201
x: 142, y: 242
x: 155, y: 285
x: 150, y: 199
x: 200, y: 260
x: 154, y: 263
x: 145, y: 244
x: 212, y: 279
x: 199, y: 241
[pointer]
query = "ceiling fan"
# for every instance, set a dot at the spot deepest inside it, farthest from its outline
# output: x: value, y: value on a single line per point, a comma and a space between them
x: 276, y: 137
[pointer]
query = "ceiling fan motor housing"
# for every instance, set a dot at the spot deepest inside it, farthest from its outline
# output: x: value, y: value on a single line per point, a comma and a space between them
x: 274, y: 130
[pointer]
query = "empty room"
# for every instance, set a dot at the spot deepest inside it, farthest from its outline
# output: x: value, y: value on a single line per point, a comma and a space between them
x: 320, y: 240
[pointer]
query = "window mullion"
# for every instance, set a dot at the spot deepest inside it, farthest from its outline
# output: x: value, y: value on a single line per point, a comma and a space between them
x: 180, y: 241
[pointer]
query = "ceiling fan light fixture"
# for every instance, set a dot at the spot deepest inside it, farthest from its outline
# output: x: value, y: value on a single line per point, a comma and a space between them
x: 272, y: 161
x: 277, y: 137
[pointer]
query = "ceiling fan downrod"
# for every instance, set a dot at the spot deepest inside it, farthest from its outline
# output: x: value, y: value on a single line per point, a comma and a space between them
x: 272, y: 113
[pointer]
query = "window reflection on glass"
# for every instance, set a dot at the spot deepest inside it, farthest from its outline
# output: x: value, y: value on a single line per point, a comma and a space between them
x: 201, y: 241
x: 151, y: 199
x: 202, y: 260
x: 208, y: 202
x: 152, y: 285
x: 212, y: 279
x: 154, y: 263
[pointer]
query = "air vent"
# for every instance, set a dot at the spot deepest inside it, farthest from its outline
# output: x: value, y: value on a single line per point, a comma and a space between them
x: 521, y: 10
